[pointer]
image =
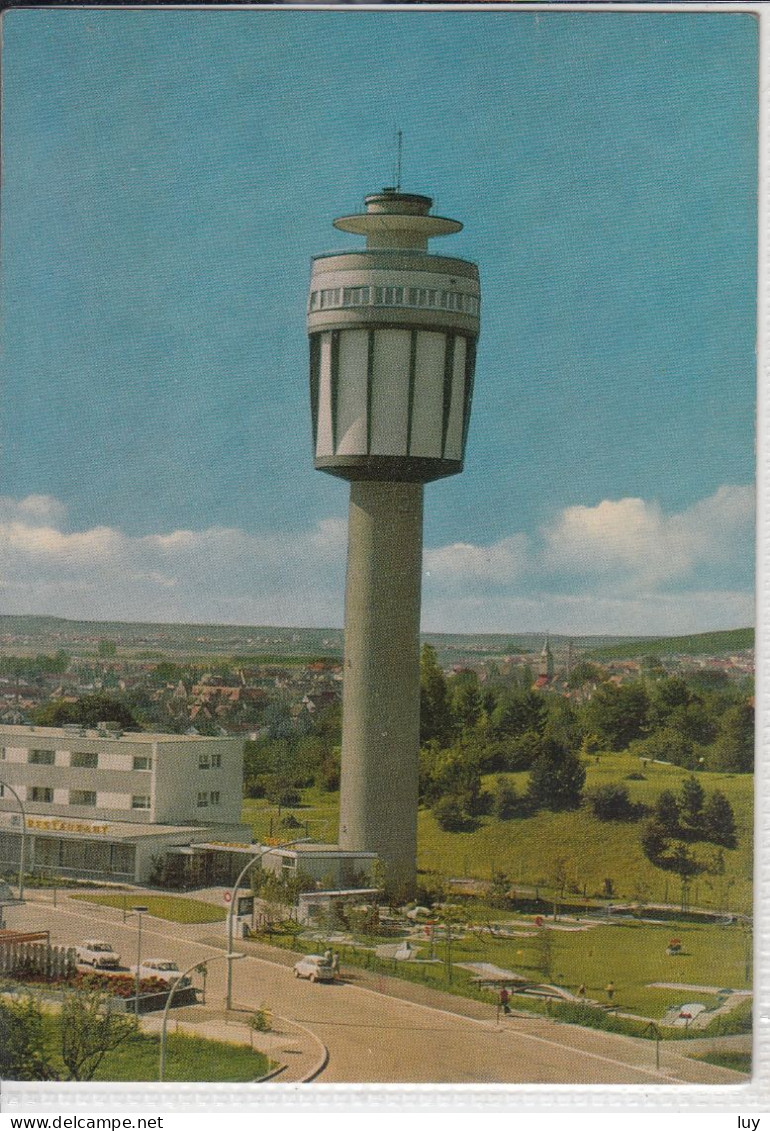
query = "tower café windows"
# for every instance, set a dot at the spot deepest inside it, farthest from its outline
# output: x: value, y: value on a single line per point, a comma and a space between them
x: 331, y: 298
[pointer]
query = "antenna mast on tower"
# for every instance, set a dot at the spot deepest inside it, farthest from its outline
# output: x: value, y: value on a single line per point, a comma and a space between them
x: 397, y: 177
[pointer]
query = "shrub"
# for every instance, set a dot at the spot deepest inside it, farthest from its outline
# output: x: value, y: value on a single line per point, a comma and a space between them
x: 452, y: 816
x: 261, y: 1020
x: 612, y: 803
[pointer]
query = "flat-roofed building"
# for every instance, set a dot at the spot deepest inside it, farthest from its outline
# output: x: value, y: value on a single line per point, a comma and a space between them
x: 103, y: 803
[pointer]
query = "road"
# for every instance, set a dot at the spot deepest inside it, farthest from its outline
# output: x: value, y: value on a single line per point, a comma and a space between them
x: 372, y: 1036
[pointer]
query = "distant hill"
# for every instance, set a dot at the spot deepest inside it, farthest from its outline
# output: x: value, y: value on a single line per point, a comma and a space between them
x: 46, y: 632
x: 702, y: 644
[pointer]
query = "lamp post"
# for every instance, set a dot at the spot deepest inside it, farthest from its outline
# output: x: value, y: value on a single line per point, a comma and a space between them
x: 7, y: 785
x: 393, y: 332
x: 231, y: 909
x: 139, y: 911
x: 202, y: 966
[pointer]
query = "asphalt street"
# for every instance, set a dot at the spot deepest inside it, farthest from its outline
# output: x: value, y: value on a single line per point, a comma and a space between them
x: 371, y: 1035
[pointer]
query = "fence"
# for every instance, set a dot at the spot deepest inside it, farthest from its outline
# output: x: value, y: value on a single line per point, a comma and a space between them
x: 37, y: 959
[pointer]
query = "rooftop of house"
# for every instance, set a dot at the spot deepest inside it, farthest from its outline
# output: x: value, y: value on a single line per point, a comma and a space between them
x: 30, y: 733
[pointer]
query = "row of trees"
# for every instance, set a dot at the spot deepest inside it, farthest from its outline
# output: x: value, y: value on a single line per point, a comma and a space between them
x: 451, y: 784
x: 659, y: 717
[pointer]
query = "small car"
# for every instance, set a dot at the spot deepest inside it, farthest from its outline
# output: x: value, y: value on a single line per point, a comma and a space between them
x: 96, y: 953
x: 163, y: 970
x: 315, y: 967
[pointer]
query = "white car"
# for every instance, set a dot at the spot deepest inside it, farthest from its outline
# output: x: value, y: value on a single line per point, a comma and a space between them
x: 315, y: 967
x: 162, y: 969
x: 96, y: 953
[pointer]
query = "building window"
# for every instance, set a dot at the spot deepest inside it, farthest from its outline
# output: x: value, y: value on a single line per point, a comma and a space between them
x: 214, y: 797
x: 41, y: 793
x: 84, y: 761
x: 216, y: 761
x: 203, y: 800
x: 142, y: 762
x: 203, y: 762
x: 41, y: 757
x: 140, y: 802
x: 82, y: 797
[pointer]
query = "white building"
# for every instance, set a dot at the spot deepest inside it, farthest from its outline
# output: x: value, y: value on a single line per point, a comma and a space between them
x: 327, y: 864
x: 103, y: 804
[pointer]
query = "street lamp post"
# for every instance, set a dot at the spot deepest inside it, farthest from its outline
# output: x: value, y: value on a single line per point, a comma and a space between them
x: 19, y: 802
x: 202, y: 966
x: 231, y: 909
x: 138, y: 911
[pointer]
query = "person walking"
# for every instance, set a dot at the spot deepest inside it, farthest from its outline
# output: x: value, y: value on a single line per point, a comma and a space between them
x: 610, y: 991
x: 505, y: 999
x: 581, y: 993
x: 336, y: 963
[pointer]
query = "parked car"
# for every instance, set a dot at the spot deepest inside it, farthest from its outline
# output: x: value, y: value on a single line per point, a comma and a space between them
x: 163, y: 970
x: 315, y: 967
x: 97, y: 953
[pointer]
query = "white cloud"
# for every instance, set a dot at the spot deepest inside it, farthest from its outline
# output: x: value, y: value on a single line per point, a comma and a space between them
x: 217, y: 574
x: 462, y: 562
x: 639, y: 545
x: 622, y: 566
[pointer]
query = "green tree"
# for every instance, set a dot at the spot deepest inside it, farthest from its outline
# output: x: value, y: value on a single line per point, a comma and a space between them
x: 91, y: 1026
x: 562, y: 722
x: 452, y: 814
x: 718, y: 821
x: 617, y: 713
x: 667, y: 813
x: 585, y: 672
x: 506, y: 802
x: 733, y: 750
x: 88, y: 711
x: 667, y: 745
x: 556, y: 780
x: 612, y: 802
x: 519, y: 712
x: 467, y: 703
x: 23, y: 1053
x: 435, y: 713
x: 666, y: 696
x: 691, y: 800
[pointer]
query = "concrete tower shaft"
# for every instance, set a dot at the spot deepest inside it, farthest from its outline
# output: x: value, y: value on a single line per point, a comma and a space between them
x: 381, y: 682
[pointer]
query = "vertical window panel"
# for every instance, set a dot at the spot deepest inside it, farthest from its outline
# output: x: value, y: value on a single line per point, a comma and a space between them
x: 351, y: 393
x: 390, y: 392
x: 454, y: 438
x: 324, y: 434
x: 428, y: 395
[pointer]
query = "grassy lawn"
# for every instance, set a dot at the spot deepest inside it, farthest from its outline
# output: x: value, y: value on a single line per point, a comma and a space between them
x: 738, y: 1061
x: 528, y: 849
x: 173, y: 907
x: 187, y: 1058
x: 629, y: 953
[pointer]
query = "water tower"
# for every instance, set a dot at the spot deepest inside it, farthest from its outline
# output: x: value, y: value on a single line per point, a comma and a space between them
x: 393, y: 331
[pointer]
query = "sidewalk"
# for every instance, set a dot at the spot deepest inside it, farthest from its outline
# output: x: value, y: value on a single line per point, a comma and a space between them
x: 289, y: 1045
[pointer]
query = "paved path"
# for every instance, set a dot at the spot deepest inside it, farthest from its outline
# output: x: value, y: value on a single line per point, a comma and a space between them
x: 380, y: 1029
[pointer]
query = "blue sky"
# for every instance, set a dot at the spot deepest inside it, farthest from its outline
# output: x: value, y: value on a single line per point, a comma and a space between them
x: 168, y: 175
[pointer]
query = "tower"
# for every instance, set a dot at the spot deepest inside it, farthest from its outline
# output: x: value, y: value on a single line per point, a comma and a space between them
x: 546, y: 660
x: 393, y: 333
